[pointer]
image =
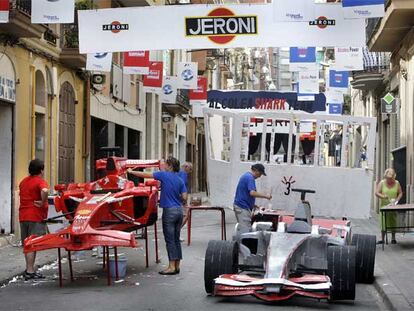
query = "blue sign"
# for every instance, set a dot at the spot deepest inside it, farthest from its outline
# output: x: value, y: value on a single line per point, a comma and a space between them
x: 338, y: 78
x: 335, y: 108
x: 266, y: 100
x: 302, y: 55
x: 348, y: 3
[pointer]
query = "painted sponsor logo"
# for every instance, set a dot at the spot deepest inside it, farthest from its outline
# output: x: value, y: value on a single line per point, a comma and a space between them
x: 136, y: 54
x: 154, y: 74
x: 167, y: 89
x: 323, y: 22
x: 83, y: 212
x: 115, y: 27
x: 221, y: 25
x: 100, y: 55
x: 296, y: 17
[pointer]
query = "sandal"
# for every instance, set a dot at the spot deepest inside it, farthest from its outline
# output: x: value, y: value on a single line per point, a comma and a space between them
x: 167, y: 272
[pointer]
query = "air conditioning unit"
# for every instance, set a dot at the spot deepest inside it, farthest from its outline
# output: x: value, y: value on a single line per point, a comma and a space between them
x: 98, y: 79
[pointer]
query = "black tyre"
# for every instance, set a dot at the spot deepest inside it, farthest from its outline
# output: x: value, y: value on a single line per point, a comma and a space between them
x: 341, y: 271
x: 222, y: 257
x: 365, y: 257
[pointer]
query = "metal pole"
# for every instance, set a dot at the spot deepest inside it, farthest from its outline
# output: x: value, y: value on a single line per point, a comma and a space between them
x: 146, y: 247
x: 108, y: 267
x: 60, y: 268
x: 70, y: 266
x: 157, y: 259
x: 116, y: 263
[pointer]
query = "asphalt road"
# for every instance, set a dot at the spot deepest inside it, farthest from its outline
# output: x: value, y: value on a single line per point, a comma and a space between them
x: 145, y: 289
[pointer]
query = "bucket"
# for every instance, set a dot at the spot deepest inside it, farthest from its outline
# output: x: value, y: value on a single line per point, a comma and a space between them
x: 122, y: 265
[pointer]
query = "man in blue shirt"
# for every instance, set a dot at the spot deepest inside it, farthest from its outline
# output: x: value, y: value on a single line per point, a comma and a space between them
x: 246, y: 194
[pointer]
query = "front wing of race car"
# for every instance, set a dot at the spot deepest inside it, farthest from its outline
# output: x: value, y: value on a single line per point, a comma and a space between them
x: 273, y: 289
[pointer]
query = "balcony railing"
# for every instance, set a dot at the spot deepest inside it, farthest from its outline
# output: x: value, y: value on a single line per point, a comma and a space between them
x: 376, y: 62
x: 24, y: 6
x: 69, y: 36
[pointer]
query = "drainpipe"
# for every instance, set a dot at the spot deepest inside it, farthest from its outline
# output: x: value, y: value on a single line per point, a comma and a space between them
x: 33, y: 142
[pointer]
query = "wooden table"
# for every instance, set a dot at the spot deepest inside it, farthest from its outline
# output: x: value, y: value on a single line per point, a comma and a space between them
x: 403, y: 208
x: 190, y: 210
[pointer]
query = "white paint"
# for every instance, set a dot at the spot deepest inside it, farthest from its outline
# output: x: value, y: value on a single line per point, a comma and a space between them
x: 340, y: 191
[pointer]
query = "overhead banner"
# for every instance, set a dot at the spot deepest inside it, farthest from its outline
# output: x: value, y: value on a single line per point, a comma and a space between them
x: 363, y: 8
x: 349, y: 59
x: 99, y: 62
x: 263, y: 100
x: 187, y: 75
x: 211, y: 27
x: 169, y: 90
x: 136, y: 63
x: 293, y: 11
x: 4, y: 11
x: 153, y: 80
x: 309, y: 82
x: 302, y: 59
x: 198, y: 98
x: 54, y: 12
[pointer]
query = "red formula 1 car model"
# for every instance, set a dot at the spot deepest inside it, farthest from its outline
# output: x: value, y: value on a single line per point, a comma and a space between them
x: 291, y: 255
x: 103, y: 212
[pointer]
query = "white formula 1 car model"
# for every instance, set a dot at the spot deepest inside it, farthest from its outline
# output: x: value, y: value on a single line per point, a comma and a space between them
x: 288, y: 255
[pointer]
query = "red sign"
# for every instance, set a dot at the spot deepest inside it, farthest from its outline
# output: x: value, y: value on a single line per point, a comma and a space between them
x: 201, y: 92
x: 4, y: 11
x: 154, y: 77
x: 136, y: 62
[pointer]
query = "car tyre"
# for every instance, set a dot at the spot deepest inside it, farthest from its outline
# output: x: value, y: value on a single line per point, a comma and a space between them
x: 341, y: 271
x: 365, y: 257
x: 222, y: 257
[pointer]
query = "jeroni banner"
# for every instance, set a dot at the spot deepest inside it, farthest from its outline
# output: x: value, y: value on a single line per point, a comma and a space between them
x: 99, y: 62
x: 363, y: 8
x: 294, y: 11
x: 211, y: 27
x: 187, y: 75
x: 54, y: 12
x: 136, y: 62
x: 348, y: 59
x: 153, y: 80
x: 4, y: 11
x: 263, y: 100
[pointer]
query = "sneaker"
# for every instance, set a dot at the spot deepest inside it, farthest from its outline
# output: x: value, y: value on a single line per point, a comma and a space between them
x: 32, y: 276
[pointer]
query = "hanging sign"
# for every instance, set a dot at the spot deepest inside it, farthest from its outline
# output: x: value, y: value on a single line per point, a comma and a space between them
x: 309, y: 82
x: 136, y: 62
x: 338, y: 79
x: 213, y: 26
x: 363, y: 8
x: 187, y: 75
x: 389, y: 104
x: 99, y: 62
x: 335, y: 108
x: 302, y: 59
x: 198, y: 98
x: 168, y: 93
x: 4, y: 11
x: 53, y: 12
x: 334, y: 95
x: 293, y: 11
x: 153, y: 80
x: 348, y: 59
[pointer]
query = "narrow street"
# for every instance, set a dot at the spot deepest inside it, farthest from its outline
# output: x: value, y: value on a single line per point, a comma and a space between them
x: 145, y: 289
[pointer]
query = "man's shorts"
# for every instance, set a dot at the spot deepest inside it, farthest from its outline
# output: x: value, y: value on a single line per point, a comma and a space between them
x: 27, y: 228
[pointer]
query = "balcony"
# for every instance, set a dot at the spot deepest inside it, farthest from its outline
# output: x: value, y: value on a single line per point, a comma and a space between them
x: 376, y: 64
x: 70, y: 47
x: 182, y: 105
x: 384, y: 35
x: 20, y: 24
